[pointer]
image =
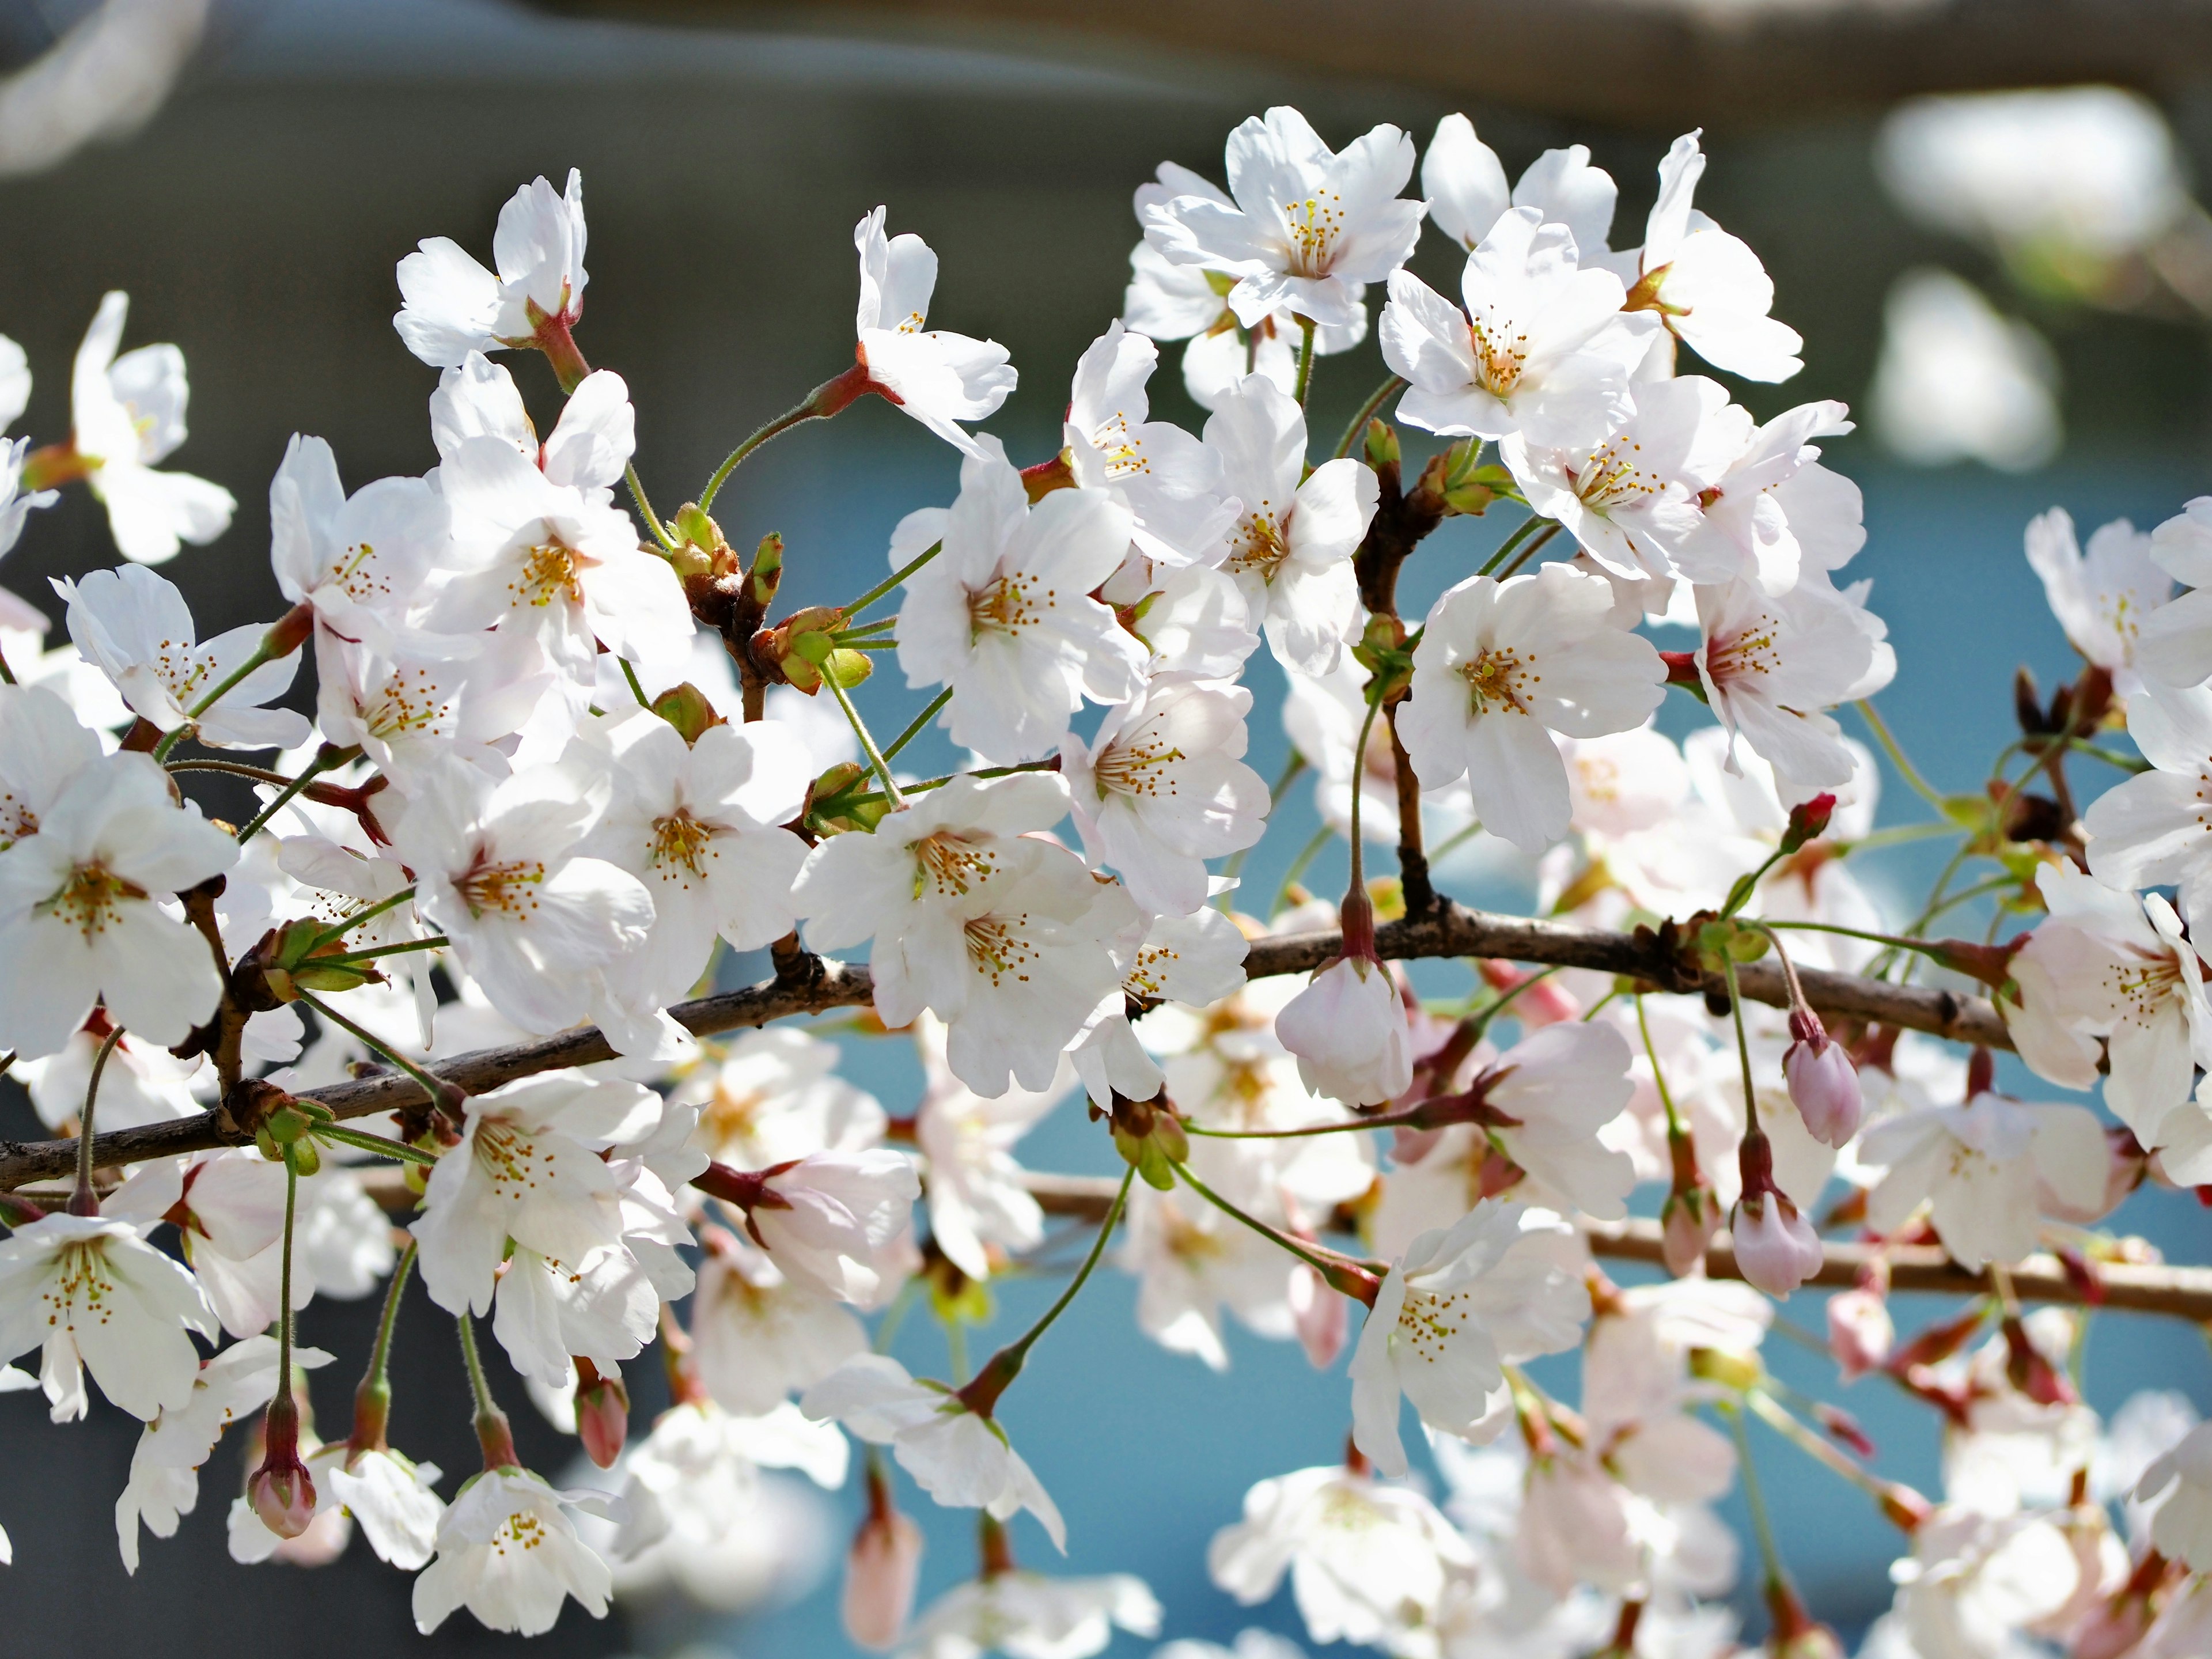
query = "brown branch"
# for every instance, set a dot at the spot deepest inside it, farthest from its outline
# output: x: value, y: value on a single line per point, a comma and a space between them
x: 814, y: 986
x: 2186, y: 1293
x: 1420, y: 894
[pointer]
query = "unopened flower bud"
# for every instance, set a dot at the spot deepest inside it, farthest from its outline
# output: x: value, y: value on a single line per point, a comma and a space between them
x: 1823, y: 1084
x: 880, y: 1571
x: 1686, y: 1225
x: 1859, y: 1332
x: 282, y: 1491
x: 602, y: 1413
x: 1320, y: 1316
x: 1808, y: 821
x: 1776, y: 1248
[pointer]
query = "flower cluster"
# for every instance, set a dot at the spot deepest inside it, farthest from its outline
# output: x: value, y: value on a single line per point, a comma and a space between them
x: 569, y: 753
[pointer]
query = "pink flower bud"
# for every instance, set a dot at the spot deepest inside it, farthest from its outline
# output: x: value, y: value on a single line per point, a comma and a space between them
x: 1320, y: 1316
x: 283, y: 1496
x: 1776, y: 1248
x: 602, y: 1413
x: 1859, y: 1332
x: 880, y: 1571
x: 1823, y: 1085
x: 2112, y: 1629
x: 1688, y: 1224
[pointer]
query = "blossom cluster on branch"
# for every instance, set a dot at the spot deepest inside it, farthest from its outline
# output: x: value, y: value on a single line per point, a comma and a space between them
x: 559, y: 771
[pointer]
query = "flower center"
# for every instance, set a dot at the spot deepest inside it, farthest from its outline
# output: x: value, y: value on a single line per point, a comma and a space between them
x: 91, y: 900
x: 1119, y: 448
x: 1499, y: 357
x: 678, y: 840
x: 1007, y: 605
x: 952, y: 867
x: 410, y: 701
x: 1259, y: 545
x: 1497, y: 682
x: 1613, y: 476
x: 527, y: 1531
x: 1754, y: 650
x: 81, y: 1287
x: 505, y: 1152
x: 1427, y: 1323
x: 511, y: 888
x: 1136, y: 766
x: 1315, y: 224
x: 997, y: 950
x: 548, y: 573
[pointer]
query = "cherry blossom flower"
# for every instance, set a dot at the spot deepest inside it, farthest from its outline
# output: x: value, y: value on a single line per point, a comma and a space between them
x: 1004, y: 613
x: 452, y: 306
x: 699, y: 1468
x: 142, y: 1083
x: 1290, y: 552
x: 937, y: 378
x: 1366, y: 1561
x: 1307, y: 224
x: 362, y: 559
x: 1027, y: 1615
x: 229, y: 1209
x: 2149, y: 831
x: 1500, y: 666
x: 1161, y: 788
x: 1980, y: 1167
x: 1192, y: 1263
x: 95, y: 1295
x: 390, y: 1497
x: 1973, y: 1580
x: 127, y: 415
x: 1498, y: 1288
x: 757, y: 1336
x: 1195, y: 960
x: 2111, y: 966
x: 80, y: 923
x: 1465, y: 184
x: 1770, y: 666
x: 499, y: 871
x: 1348, y: 1029
x: 775, y: 1096
x: 1774, y: 513
x: 508, y: 1553
x: 1543, y: 348
x: 837, y: 1222
x: 135, y: 626
x: 1168, y: 480
x: 962, y: 1460
x: 2169, y: 638
x: 977, y: 1199
x: 2107, y: 598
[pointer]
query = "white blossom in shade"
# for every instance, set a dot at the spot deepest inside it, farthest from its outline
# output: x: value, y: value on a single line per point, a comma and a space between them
x: 1199, y: 623
x: 1465, y: 184
x: 81, y: 919
x: 451, y: 306
x: 1560, y: 1086
x: 164, y: 1482
x: 1004, y: 613
x: 2150, y: 830
x: 526, y: 1169
x: 1290, y: 551
x: 840, y: 1222
x: 939, y: 378
x: 1368, y: 1563
x: 498, y: 870
x: 977, y: 1196
x: 1348, y: 1029
x: 1708, y: 287
x: 1502, y: 666
x: 135, y: 626
x: 142, y: 1083
x: 127, y: 415
x: 390, y: 1496
x: 1631, y: 498
x: 2108, y: 598
x: 1770, y: 665
x: 16, y: 504
x: 1192, y: 1263
x: 362, y: 561
x: 556, y: 561
x: 42, y: 746
x: 509, y: 1553
x: 758, y: 1337
x: 1195, y: 960
x: 960, y: 1458
x: 1168, y: 480
x: 1973, y: 1581
x: 2111, y: 966
x: 604, y: 1307
x: 1026, y: 1615
x: 774, y: 1096
x: 343, y: 1241
x: 1773, y: 513
x: 1625, y: 782
x: 1957, y: 380
x: 95, y: 1296
x: 1500, y: 1287
x: 681, y: 1484
x: 701, y: 826
x: 1543, y: 348
x: 1988, y: 1170
x: 1162, y: 786
x: 2180, y: 1481
x: 1307, y: 225
x: 229, y: 1209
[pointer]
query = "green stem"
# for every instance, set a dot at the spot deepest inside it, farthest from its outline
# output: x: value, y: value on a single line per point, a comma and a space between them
x: 1896, y: 836
x: 1520, y: 533
x: 804, y: 411
x: 1754, y: 1499
x: 1658, y: 1074
x: 1307, y: 854
x: 863, y: 630
x: 1027, y: 1341
x: 1907, y: 769
x: 380, y: 1355
x: 1367, y: 411
x: 1305, y: 359
x: 84, y: 1201
x: 883, y: 767
x: 635, y: 689
x: 234, y: 769
x: 309, y: 774
x: 914, y: 730
x: 645, y: 507
x: 894, y: 579
x: 1327, y: 1270
x: 492, y: 1432
x: 435, y: 942
x: 1742, y: 1047
x: 1359, y: 771
x: 345, y: 925
x: 1896, y: 942
x: 441, y: 1092
x: 381, y: 1145
x: 1529, y: 551
x: 284, y: 1280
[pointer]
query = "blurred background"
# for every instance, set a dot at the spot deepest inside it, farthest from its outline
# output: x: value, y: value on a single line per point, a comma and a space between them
x: 2013, y: 296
